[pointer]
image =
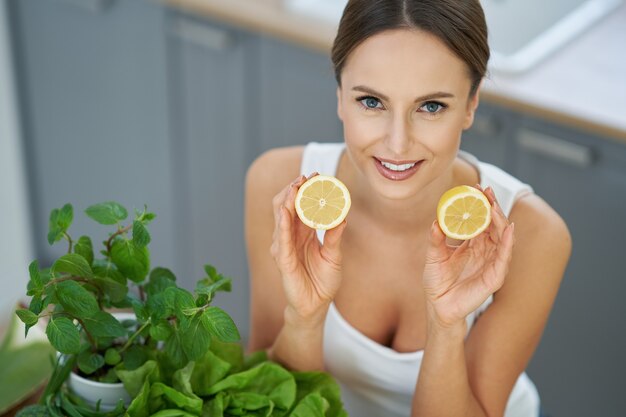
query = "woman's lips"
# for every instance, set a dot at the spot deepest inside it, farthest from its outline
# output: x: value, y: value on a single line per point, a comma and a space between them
x: 390, y: 174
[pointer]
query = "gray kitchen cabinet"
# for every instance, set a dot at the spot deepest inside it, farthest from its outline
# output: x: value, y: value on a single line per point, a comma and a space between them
x: 489, y: 137
x: 579, y: 365
x: 298, y: 101
x: 94, y: 107
x: 214, y: 96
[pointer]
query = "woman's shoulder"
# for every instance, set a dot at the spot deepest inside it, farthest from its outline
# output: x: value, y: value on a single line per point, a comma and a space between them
x: 537, y: 223
x: 274, y: 169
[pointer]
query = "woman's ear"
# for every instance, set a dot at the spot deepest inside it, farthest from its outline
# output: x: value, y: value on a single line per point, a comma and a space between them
x: 339, y: 104
x: 472, y: 104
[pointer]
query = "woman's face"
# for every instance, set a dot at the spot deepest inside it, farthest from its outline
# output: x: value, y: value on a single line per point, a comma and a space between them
x: 404, y: 101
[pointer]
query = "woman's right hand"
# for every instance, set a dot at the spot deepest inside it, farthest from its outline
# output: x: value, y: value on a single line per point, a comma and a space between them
x: 311, y: 272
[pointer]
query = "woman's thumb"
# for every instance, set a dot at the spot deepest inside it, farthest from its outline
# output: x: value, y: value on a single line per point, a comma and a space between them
x: 332, y: 242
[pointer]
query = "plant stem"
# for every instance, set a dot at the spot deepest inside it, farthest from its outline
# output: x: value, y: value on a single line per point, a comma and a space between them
x: 133, y: 336
x: 114, y: 235
x: 92, y: 341
x: 70, y: 278
x: 69, y: 239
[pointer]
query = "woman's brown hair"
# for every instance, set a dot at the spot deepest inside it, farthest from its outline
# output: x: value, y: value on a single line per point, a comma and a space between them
x: 460, y: 24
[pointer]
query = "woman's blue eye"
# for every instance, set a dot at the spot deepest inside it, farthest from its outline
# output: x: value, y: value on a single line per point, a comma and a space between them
x: 432, y: 107
x: 370, y: 102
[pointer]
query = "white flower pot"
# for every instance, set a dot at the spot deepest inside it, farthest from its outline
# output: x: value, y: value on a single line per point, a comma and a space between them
x: 109, y: 394
x: 91, y: 391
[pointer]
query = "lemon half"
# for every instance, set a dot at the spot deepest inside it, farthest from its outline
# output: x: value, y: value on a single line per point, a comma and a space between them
x: 463, y: 212
x: 322, y: 202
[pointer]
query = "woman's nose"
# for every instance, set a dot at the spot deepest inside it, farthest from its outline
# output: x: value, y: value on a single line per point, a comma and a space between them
x: 399, y: 139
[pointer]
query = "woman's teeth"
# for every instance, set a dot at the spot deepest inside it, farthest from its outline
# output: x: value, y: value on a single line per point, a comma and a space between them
x: 394, y: 167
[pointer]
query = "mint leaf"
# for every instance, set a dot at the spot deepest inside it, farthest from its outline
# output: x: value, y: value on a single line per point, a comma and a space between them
x: 89, y: 362
x: 84, y: 248
x: 174, y: 350
x: 60, y: 221
x: 141, y: 236
x: 106, y: 268
x: 195, y: 337
x: 75, y: 299
x: 63, y: 335
x: 220, y: 324
x: 35, y: 277
x: 113, y: 289
x: 103, y: 324
x: 28, y: 317
x: 131, y: 260
x: 207, y: 371
x: 205, y: 287
x: 160, y: 280
x: 161, y: 330
x: 107, y: 213
x: 112, y: 356
x: 72, y: 264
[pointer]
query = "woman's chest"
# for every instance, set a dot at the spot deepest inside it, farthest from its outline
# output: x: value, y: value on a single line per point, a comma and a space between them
x: 381, y: 294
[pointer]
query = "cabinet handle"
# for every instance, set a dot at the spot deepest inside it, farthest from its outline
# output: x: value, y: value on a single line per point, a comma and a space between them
x: 95, y: 6
x: 555, y: 148
x: 202, y: 35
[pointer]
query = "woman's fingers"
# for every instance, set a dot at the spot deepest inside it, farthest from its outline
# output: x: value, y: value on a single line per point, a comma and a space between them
x: 331, y: 249
x: 503, y: 257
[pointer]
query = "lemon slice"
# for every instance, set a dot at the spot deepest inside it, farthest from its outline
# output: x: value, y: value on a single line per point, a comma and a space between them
x: 463, y: 212
x: 322, y: 202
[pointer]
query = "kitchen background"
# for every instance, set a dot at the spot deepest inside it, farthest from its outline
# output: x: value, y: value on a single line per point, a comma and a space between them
x: 166, y: 103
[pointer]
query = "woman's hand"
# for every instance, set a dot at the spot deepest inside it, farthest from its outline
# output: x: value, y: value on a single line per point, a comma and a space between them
x: 311, y: 272
x: 457, y: 280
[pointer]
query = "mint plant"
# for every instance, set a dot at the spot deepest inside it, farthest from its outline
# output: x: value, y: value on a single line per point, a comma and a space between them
x: 82, y: 288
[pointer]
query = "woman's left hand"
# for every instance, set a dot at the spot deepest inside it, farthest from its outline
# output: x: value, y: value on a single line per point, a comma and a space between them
x: 457, y: 280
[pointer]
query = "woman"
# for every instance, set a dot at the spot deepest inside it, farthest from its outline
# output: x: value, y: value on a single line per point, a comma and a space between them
x: 385, y: 302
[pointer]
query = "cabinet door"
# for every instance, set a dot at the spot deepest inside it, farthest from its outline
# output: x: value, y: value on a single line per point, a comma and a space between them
x: 213, y: 104
x: 489, y: 137
x: 579, y: 365
x: 93, y: 93
x: 298, y: 101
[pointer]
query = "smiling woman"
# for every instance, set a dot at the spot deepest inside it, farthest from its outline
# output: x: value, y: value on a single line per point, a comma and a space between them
x: 408, y: 324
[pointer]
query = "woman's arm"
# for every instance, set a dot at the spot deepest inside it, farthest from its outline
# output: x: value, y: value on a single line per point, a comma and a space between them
x: 293, y: 277
x: 475, y: 376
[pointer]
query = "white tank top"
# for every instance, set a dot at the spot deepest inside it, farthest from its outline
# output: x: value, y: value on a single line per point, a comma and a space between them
x: 377, y: 381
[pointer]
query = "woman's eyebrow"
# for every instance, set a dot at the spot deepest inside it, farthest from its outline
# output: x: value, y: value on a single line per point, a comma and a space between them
x: 430, y: 96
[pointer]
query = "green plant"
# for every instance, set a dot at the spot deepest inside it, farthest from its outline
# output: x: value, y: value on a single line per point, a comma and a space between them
x: 76, y: 295
x: 178, y: 357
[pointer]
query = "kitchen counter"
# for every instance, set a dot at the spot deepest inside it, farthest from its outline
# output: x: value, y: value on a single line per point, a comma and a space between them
x: 582, y: 85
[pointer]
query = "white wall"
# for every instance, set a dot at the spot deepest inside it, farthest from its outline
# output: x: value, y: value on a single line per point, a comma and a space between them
x: 15, y: 238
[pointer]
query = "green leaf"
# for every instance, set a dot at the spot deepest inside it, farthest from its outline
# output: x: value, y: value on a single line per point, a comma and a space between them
x: 161, y: 330
x: 27, y: 317
x: 209, y: 288
x: 113, y: 289
x: 174, y: 350
x: 312, y: 405
x: 103, y: 324
x: 207, y: 371
x: 139, y: 406
x: 75, y: 299
x: 160, y: 280
x: 72, y: 264
x: 191, y: 404
x: 35, y: 410
x: 60, y: 221
x: 134, y: 357
x: 36, y: 304
x: 195, y: 337
x: 106, y: 268
x: 268, y: 379
x: 89, y: 362
x: 112, y: 356
x: 63, y: 335
x: 107, y: 213
x: 323, y: 384
x: 220, y: 324
x: 141, y: 236
x: 135, y: 379
x: 230, y: 352
x: 131, y: 260
x: 84, y: 248
x: 35, y: 277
